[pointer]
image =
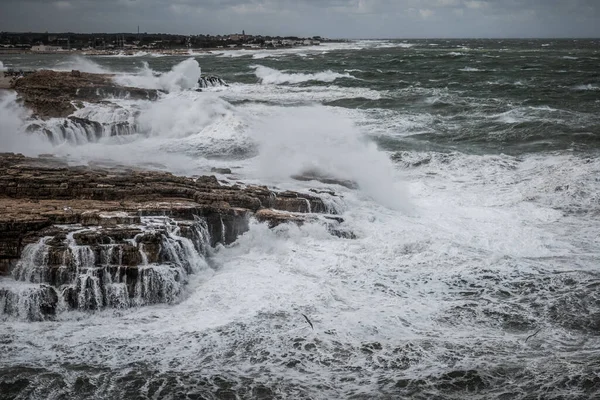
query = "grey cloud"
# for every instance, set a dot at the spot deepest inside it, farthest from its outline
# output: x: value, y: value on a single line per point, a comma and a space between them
x: 334, y: 18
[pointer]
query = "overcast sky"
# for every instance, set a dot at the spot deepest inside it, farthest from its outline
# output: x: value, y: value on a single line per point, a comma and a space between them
x: 331, y: 18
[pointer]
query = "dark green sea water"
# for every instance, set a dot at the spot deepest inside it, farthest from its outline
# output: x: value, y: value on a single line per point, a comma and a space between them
x: 507, y: 96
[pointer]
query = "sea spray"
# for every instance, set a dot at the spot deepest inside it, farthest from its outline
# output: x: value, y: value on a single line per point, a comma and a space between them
x: 13, y: 137
x: 184, y: 75
x: 185, y: 113
x: 317, y: 140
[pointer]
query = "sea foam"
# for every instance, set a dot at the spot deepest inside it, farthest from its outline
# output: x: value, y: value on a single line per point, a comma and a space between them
x: 272, y: 76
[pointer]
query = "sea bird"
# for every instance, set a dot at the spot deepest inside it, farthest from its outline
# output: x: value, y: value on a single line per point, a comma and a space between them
x: 308, y: 320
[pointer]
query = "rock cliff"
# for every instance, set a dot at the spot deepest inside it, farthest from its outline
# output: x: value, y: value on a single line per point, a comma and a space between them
x: 51, y: 94
x: 90, y: 237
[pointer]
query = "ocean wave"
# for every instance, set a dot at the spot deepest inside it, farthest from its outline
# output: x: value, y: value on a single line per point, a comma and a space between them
x: 272, y: 76
x: 587, y: 87
x: 286, y: 94
x: 494, y: 246
x: 132, y: 55
x: 391, y: 45
x: 471, y: 69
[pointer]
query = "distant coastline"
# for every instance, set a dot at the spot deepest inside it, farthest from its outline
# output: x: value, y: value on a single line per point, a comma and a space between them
x: 130, y: 43
x: 133, y: 52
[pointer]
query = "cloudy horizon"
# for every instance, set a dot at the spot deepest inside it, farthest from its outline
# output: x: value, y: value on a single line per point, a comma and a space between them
x: 328, y: 18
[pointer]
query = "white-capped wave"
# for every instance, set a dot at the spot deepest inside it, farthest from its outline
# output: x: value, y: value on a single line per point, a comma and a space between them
x: 587, y: 87
x: 471, y: 69
x: 270, y: 76
x: 136, y: 54
x: 285, y: 94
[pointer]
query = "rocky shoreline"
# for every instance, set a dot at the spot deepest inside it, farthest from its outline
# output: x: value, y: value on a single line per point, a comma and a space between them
x: 54, y: 94
x: 77, y: 231
x: 96, y: 236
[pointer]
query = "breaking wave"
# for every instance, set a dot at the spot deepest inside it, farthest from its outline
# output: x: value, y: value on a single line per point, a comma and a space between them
x: 586, y: 87
x: 270, y: 76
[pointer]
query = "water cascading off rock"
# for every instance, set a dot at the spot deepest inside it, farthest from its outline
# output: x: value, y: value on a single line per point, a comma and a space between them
x: 94, y: 268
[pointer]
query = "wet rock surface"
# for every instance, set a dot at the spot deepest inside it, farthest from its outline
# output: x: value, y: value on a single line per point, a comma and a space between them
x: 90, y: 237
x: 50, y: 94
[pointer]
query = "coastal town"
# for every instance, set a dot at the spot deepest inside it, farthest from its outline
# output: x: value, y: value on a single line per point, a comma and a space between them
x: 99, y: 43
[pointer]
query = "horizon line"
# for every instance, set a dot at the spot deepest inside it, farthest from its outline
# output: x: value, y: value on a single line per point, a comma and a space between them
x: 324, y: 37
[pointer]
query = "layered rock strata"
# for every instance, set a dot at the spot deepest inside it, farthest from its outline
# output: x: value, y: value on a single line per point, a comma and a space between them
x: 53, y: 94
x: 90, y: 237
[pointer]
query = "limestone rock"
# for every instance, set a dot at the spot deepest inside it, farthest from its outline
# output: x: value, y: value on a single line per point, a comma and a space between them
x: 51, y: 93
x: 39, y: 193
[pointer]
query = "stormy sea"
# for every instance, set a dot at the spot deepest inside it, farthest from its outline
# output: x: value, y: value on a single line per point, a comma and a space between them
x: 467, y: 174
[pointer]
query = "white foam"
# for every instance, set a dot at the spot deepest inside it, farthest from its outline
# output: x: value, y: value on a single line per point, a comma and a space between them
x: 294, y: 94
x: 13, y: 137
x: 323, y: 48
x: 587, y: 87
x: 401, y: 283
x: 178, y: 132
x: 316, y: 139
x: 274, y: 77
x: 132, y: 55
x: 470, y: 69
x: 183, y: 114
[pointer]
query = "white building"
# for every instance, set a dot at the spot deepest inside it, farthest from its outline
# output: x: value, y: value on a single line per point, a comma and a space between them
x: 42, y: 48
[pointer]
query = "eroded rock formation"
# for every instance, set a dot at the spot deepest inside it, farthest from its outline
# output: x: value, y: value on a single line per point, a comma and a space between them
x: 89, y: 237
x: 50, y: 94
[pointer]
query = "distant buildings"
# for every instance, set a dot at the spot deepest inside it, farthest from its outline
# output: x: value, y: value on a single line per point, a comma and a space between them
x: 50, y: 43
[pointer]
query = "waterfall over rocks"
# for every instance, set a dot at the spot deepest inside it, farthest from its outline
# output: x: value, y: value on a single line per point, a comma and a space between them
x: 93, y: 268
x: 78, y: 131
x: 211, y: 81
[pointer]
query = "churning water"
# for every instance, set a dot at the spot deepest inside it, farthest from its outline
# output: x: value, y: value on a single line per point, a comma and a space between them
x: 475, y: 268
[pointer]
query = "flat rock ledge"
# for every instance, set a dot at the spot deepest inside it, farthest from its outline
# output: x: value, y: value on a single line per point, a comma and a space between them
x: 52, y: 94
x: 38, y: 194
x: 87, y: 238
